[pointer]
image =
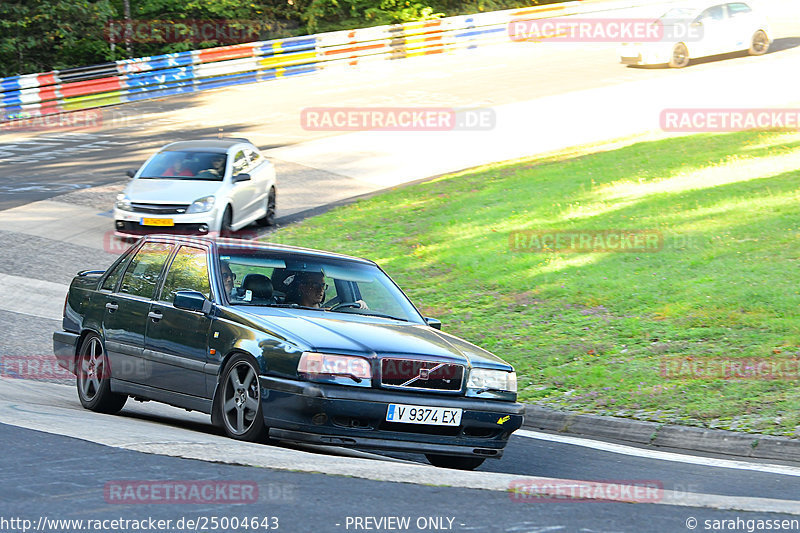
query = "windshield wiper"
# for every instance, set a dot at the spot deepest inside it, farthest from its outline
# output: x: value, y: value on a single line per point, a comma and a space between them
x: 296, y: 306
x: 379, y: 315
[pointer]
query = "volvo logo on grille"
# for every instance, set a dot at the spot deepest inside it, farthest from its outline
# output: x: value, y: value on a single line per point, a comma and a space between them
x: 427, y: 375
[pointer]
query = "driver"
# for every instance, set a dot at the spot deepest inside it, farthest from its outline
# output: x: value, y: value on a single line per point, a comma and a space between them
x: 311, y: 289
x: 228, y: 277
x: 217, y: 170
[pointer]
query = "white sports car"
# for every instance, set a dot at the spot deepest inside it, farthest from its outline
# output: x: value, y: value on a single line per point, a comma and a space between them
x: 705, y: 30
x: 198, y: 187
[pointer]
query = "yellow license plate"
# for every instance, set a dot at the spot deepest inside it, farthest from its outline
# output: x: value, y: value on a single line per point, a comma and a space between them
x: 157, y: 222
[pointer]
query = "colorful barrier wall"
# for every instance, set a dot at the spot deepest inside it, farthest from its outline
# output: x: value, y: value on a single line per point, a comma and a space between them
x: 132, y: 80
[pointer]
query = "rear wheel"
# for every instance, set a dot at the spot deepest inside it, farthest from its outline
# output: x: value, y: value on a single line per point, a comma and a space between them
x: 94, y: 373
x: 455, y: 462
x: 240, y: 407
x: 269, y: 217
x: 680, y: 56
x: 759, y: 44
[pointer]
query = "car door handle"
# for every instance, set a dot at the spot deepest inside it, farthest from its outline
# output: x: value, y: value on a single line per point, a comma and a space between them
x: 112, y: 306
x: 155, y: 315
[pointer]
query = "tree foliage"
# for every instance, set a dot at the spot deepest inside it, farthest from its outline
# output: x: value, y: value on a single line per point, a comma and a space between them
x: 41, y: 35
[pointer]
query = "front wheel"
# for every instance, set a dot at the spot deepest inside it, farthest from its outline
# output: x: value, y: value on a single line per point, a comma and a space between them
x: 269, y: 216
x: 680, y: 56
x: 225, y: 229
x: 759, y: 44
x: 455, y: 462
x: 94, y: 376
x: 240, y: 405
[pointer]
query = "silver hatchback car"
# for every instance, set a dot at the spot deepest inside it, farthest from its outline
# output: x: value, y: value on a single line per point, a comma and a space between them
x: 198, y: 187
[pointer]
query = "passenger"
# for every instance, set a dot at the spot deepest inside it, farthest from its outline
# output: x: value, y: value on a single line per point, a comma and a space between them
x: 178, y: 168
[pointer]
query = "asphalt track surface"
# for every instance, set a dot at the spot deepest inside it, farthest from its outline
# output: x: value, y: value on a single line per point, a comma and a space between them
x: 60, y: 458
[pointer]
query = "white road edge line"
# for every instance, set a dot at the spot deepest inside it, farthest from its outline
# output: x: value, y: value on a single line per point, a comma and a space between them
x: 661, y: 455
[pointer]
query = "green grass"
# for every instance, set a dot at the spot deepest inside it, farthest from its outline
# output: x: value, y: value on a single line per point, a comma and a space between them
x: 587, y: 331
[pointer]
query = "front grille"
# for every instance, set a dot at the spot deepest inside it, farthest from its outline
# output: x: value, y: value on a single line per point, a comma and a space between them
x: 134, y: 228
x: 424, y: 375
x: 160, y: 209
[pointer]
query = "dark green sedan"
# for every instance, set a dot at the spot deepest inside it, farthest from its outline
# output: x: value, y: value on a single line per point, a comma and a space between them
x: 282, y: 342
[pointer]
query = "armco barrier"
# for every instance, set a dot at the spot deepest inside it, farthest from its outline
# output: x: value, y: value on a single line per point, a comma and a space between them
x: 132, y: 80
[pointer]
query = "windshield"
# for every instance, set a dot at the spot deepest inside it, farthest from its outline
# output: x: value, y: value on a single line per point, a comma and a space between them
x: 185, y: 166
x: 298, y: 281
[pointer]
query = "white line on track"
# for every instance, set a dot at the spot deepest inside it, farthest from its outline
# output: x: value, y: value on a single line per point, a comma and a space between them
x: 661, y: 455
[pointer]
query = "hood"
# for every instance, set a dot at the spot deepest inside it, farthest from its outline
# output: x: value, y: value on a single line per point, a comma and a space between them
x: 178, y: 191
x: 354, y: 334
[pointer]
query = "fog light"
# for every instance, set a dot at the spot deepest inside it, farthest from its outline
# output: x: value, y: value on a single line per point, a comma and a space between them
x: 203, y: 228
x: 120, y: 224
x: 319, y: 419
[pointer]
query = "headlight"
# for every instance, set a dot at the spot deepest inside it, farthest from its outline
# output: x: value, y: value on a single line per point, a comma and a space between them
x: 485, y: 379
x: 315, y: 365
x: 201, y: 205
x: 124, y: 203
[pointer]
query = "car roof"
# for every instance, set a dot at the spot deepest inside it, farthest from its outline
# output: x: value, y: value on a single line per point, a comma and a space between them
x: 205, y: 145
x: 256, y: 245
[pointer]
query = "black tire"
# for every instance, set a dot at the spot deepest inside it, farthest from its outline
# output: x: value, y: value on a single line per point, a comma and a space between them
x: 759, y: 44
x: 239, y: 406
x: 455, y: 462
x: 93, y: 378
x: 269, y: 218
x: 225, y: 229
x: 680, y: 56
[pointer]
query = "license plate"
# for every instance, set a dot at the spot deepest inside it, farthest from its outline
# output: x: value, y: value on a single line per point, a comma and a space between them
x: 157, y: 222
x: 419, y: 414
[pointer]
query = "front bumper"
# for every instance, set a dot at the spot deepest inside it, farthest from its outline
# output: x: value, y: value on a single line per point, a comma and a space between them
x: 645, y: 54
x: 130, y: 223
x: 338, y: 415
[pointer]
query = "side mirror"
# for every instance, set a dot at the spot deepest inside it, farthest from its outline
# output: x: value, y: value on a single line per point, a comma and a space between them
x: 130, y: 173
x: 241, y: 177
x: 433, y: 322
x: 192, y: 301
